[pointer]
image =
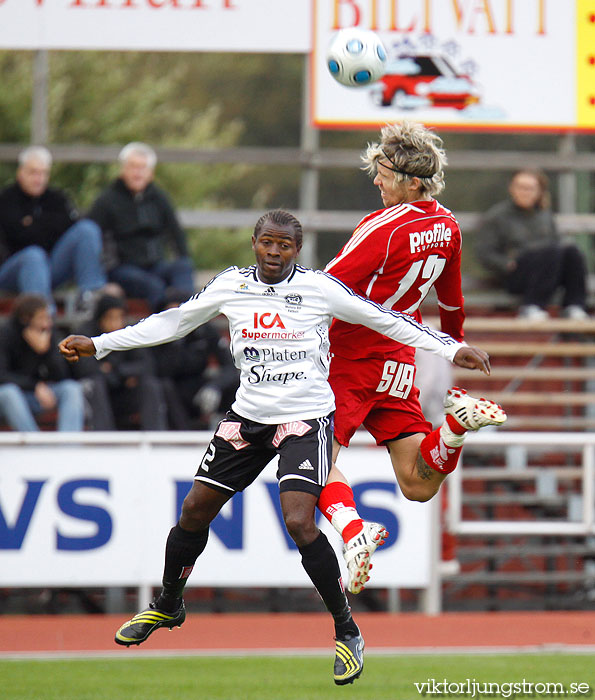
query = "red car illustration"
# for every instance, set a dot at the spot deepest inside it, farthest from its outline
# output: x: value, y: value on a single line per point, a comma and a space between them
x: 412, y: 81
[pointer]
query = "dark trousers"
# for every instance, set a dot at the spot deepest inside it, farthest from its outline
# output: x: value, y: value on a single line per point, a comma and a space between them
x: 540, y: 272
x: 145, y: 400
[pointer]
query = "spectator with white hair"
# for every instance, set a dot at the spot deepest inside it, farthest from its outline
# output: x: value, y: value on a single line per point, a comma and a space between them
x: 146, y: 247
x: 43, y: 242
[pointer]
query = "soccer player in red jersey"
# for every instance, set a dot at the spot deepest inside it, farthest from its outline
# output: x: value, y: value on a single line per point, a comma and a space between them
x: 394, y: 257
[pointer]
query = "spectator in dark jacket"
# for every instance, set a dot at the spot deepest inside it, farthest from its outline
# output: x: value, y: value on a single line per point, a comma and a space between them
x: 34, y: 377
x: 518, y: 242
x: 43, y: 243
x: 124, y: 385
x: 197, y: 372
x: 146, y: 246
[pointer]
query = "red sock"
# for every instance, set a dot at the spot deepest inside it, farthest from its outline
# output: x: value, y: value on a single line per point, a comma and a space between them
x: 455, y: 426
x: 337, y: 505
x: 437, y: 455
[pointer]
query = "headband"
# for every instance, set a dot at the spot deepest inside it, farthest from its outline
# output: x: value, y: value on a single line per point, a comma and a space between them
x: 399, y: 170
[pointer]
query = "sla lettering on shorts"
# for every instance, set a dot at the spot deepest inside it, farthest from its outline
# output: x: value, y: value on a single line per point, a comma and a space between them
x: 397, y: 378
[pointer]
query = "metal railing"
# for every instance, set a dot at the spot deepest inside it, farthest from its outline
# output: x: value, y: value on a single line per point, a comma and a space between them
x: 571, y: 442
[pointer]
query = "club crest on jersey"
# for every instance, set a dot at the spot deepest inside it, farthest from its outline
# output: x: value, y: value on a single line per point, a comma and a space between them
x: 251, y: 354
x: 436, y: 237
x: 293, y: 302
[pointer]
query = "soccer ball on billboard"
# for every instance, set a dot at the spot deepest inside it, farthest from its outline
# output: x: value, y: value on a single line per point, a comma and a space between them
x: 356, y: 57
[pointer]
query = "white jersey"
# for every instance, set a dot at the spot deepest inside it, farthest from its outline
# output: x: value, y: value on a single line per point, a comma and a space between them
x: 279, y: 336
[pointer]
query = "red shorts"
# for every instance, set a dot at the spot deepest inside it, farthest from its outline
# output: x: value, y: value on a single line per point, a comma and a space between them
x: 378, y: 394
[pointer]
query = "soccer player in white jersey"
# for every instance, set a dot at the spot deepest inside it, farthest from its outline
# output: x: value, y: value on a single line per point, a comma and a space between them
x: 394, y: 257
x: 279, y: 314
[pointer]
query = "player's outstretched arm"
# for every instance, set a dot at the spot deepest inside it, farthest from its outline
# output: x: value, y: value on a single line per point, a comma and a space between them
x: 472, y: 358
x: 76, y: 346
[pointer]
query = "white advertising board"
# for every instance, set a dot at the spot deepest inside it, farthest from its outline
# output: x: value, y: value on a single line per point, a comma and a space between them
x: 100, y: 515
x: 279, y: 26
x: 481, y: 64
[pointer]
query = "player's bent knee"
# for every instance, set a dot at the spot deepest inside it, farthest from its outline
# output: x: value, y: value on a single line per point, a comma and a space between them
x: 419, y: 493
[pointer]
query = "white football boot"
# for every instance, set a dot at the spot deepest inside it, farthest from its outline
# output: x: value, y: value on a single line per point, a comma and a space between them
x: 357, y: 553
x: 471, y: 413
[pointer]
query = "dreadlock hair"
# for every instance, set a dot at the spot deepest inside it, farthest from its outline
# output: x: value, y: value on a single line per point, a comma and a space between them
x: 281, y: 218
x: 413, y: 151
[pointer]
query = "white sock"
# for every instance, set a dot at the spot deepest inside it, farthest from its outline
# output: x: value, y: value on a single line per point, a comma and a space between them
x: 449, y: 438
x: 342, y: 516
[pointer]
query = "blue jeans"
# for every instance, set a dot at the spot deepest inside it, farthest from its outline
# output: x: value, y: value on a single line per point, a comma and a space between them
x: 19, y: 407
x: 151, y: 283
x: 76, y: 256
x: 27, y: 271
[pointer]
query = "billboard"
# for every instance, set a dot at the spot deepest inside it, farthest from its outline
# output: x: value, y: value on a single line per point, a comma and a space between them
x: 99, y: 516
x: 467, y: 64
x: 472, y: 64
x: 157, y: 25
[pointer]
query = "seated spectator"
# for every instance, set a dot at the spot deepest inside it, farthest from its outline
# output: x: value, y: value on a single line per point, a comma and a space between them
x: 122, y: 389
x: 146, y: 246
x: 198, y: 374
x: 43, y: 243
x: 34, y: 378
x: 519, y: 243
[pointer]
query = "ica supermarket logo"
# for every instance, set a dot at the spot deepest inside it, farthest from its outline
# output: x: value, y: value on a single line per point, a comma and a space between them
x: 267, y: 320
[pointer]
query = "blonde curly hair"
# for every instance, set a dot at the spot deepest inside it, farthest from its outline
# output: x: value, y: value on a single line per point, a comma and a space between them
x: 413, y: 150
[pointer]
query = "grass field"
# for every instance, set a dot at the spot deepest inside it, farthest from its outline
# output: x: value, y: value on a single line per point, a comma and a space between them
x: 286, y: 678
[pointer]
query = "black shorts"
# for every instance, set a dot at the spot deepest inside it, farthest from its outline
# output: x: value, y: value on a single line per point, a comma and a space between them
x: 242, y: 448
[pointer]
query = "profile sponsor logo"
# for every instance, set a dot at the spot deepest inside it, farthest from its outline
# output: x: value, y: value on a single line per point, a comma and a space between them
x: 436, y: 237
x: 269, y: 292
x: 251, y: 354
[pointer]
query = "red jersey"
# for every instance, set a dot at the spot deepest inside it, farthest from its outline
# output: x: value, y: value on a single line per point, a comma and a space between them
x: 394, y: 257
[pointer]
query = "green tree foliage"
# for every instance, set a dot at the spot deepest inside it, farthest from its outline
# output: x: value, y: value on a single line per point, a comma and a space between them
x: 113, y: 98
x: 217, y: 100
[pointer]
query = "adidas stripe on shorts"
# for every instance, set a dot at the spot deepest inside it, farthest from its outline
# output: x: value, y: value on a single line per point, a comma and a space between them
x: 242, y: 448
